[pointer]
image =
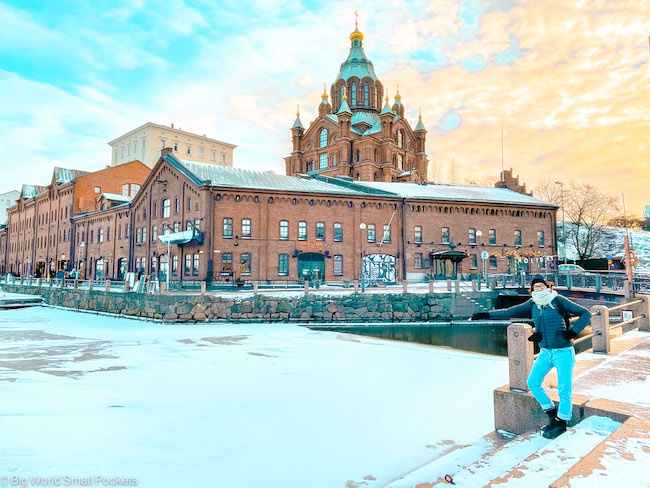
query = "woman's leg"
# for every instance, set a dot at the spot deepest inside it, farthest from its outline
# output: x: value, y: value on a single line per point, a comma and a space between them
x: 564, y: 360
x: 542, y: 365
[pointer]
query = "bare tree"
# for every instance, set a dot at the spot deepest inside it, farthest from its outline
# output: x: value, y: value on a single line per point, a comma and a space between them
x: 630, y: 221
x: 586, y: 209
x: 485, y: 180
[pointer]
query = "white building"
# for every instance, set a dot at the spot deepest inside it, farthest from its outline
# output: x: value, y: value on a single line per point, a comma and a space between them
x: 145, y: 142
x: 7, y: 199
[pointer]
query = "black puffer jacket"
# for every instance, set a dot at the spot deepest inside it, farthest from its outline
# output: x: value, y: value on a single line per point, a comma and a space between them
x: 549, y: 320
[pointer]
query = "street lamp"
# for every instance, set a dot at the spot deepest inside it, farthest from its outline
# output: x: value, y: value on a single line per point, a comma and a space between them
x: 479, y: 233
x: 563, y: 219
x: 362, y: 226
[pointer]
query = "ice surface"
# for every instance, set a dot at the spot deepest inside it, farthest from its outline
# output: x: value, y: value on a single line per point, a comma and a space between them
x: 230, y: 405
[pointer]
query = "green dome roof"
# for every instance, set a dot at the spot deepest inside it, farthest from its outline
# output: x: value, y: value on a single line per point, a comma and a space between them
x: 357, y: 64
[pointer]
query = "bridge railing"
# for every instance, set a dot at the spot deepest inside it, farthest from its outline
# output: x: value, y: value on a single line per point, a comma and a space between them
x: 521, y: 350
x: 595, y: 281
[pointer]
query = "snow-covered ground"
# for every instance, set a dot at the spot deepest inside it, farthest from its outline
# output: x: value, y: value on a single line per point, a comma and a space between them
x: 229, y: 406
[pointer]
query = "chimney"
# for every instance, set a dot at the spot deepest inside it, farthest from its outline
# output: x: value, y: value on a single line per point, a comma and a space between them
x: 165, y: 150
x: 172, y: 125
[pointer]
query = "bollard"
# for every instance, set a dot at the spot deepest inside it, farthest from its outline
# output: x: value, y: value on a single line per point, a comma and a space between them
x: 457, y: 286
x: 643, y: 309
x: 493, y: 283
x: 163, y: 288
x: 306, y: 287
x: 448, y: 285
x: 76, y: 283
x: 255, y: 287
x: 520, y: 355
x: 600, y: 326
x: 474, y: 285
x: 108, y: 286
x: 203, y: 287
x: 62, y: 283
x: 430, y: 286
x: 90, y: 285
x: 405, y: 287
x: 356, y: 286
x: 126, y: 286
x: 29, y: 282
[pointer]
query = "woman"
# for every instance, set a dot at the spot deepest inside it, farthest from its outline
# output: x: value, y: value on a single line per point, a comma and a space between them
x: 548, y: 311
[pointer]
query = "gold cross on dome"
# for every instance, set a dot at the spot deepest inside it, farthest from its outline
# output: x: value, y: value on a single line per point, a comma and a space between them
x: 356, y: 18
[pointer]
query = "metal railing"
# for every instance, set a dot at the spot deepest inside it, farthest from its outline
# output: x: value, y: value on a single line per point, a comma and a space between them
x: 521, y: 350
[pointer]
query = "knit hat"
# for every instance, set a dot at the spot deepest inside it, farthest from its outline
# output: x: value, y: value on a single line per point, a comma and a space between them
x: 539, y: 279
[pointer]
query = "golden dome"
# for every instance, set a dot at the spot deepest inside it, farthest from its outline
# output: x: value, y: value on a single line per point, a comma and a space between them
x: 356, y: 34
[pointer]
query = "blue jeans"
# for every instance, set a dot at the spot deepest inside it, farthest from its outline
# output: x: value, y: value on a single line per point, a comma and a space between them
x: 563, y: 359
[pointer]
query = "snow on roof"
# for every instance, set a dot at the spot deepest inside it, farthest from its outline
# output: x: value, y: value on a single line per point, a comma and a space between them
x: 116, y: 197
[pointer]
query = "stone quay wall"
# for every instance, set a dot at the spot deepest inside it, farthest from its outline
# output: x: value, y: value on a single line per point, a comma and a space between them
x: 355, y: 307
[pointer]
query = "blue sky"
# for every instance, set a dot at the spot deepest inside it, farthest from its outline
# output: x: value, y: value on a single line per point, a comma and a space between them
x: 76, y: 74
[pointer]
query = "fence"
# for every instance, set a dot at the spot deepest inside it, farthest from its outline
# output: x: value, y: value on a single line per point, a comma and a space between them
x: 521, y: 350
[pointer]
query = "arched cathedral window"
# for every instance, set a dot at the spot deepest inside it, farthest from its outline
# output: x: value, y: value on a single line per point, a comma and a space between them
x: 399, y: 161
x: 323, y: 138
x: 400, y: 139
x: 353, y: 94
x: 366, y: 96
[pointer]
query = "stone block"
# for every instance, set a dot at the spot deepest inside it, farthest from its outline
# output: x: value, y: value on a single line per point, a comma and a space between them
x: 519, y: 412
x: 617, y: 411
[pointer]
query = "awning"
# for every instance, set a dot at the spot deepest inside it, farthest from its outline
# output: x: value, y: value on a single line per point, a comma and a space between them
x: 177, y: 237
x: 456, y: 256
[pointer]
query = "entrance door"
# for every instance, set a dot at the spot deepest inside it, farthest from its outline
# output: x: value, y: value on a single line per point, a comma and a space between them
x: 121, y: 269
x: 311, y: 266
x: 163, y: 267
x: 445, y: 269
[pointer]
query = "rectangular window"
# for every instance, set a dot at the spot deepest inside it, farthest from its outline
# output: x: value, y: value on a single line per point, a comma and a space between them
x: 445, y: 235
x: 283, y: 264
x: 201, y: 152
x: 223, y: 158
x: 174, y: 264
x: 213, y: 156
x: 188, y: 225
x: 472, y: 237
x: 154, y: 212
x: 338, y: 231
x: 189, y: 204
x: 138, y: 235
x: 302, y: 230
x: 284, y: 229
x: 540, y: 238
x: 189, y: 150
x: 226, y: 261
x: 119, y: 232
x: 474, y: 262
x: 144, y: 234
x: 176, y: 206
x: 517, y: 238
x: 493, y: 262
x: 128, y: 230
x: 372, y: 233
x: 153, y: 265
x: 195, y: 268
x: 418, y: 234
x: 245, y: 258
x: 493, y: 237
x: 338, y: 265
x: 386, y: 237
x: 162, y: 143
x: 143, y: 144
x: 176, y: 146
x: 418, y: 260
x: 227, y: 228
x: 197, y: 225
x: 320, y: 231
x: 98, y: 189
x: 245, y: 227
x: 128, y: 149
x: 188, y: 264
x: 323, y: 161
x: 154, y: 233
x: 176, y: 226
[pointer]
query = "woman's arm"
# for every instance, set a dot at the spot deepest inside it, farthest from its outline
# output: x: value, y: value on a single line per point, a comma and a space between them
x: 523, y: 310
x: 574, y: 309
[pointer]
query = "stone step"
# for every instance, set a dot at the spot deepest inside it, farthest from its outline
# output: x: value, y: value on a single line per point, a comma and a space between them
x: 451, y: 460
x: 493, y: 463
x: 551, y: 460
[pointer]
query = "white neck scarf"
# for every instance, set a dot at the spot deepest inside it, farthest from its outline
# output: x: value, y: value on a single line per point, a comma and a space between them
x: 544, y: 297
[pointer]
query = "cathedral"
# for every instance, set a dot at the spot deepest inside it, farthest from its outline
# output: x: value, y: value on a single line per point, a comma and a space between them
x: 357, y: 133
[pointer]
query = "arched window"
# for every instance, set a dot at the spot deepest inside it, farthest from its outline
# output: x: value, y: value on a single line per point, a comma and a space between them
x: 376, y: 153
x: 399, y: 161
x: 353, y: 94
x: 400, y: 139
x: 366, y: 97
x: 333, y: 160
x: 323, y: 138
x: 342, y: 93
x: 358, y: 155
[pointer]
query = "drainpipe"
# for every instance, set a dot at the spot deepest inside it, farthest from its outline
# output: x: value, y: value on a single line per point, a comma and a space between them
x: 402, y: 203
x: 210, y: 229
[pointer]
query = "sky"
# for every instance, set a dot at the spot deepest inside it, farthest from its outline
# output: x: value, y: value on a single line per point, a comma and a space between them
x: 567, y: 80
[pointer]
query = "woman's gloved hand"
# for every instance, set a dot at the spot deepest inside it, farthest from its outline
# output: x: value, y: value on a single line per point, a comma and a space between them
x: 535, y: 337
x: 481, y: 316
x: 569, y: 334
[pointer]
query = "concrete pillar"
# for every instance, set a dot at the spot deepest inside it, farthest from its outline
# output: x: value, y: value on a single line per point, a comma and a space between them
x: 520, y: 355
x: 255, y: 285
x: 643, y: 308
x: 62, y: 283
x: 163, y: 288
x: 90, y: 284
x: 474, y: 285
x: 627, y: 289
x: 430, y: 286
x: 600, y: 323
x: 457, y: 286
x: 448, y: 285
x: 76, y: 283
x: 108, y: 286
x: 126, y: 286
x: 356, y: 286
x: 306, y: 287
x: 493, y: 283
x: 203, y: 287
x: 405, y: 287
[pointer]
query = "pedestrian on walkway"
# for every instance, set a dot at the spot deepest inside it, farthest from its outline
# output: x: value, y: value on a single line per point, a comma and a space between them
x: 554, y: 333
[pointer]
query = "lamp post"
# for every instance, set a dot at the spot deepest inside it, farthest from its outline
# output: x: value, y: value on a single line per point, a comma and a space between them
x: 362, y: 227
x: 563, y: 219
x: 482, y: 268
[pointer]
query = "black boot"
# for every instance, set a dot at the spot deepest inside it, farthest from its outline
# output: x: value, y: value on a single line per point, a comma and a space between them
x: 558, y: 427
x: 552, y: 413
